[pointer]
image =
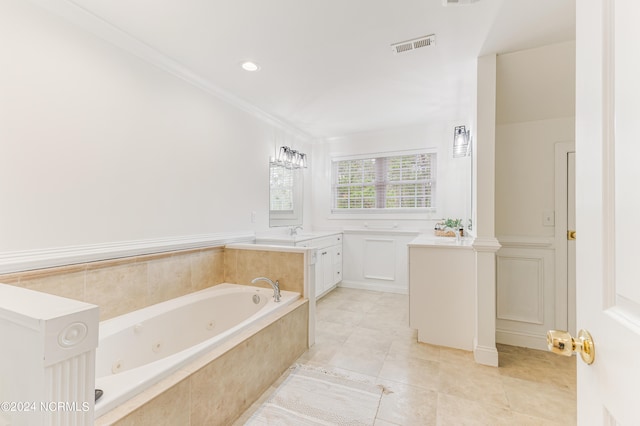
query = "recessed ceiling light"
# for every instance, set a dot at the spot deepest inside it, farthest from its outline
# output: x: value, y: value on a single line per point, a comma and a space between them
x: 250, y: 66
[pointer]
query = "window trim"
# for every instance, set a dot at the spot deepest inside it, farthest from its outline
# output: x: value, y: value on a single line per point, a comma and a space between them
x: 382, y: 212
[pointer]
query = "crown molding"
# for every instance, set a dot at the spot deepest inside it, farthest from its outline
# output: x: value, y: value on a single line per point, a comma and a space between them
x: 88, y: 21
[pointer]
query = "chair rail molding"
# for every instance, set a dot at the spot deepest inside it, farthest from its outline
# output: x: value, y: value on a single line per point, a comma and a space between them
x: 518, y: 241
x: 19, y: 261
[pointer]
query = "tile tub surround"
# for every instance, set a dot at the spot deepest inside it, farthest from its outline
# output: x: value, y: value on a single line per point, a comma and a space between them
x: 243, y: 265
x: 366, y: 334
x: 123, y: 285
x: 217, y: 388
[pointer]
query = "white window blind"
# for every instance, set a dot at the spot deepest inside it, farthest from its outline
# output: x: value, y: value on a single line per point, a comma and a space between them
x: 390, y: 183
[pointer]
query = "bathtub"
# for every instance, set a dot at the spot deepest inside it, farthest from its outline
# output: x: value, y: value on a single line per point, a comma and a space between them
x: 138, y: 349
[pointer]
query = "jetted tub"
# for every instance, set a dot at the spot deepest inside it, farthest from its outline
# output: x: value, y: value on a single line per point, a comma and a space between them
x: 139, y: 349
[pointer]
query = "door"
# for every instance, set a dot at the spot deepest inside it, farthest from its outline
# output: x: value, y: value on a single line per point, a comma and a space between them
x: 571, y: 242
x: 607, y: 207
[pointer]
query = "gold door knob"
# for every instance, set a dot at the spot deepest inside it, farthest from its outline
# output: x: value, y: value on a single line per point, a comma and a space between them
x: 560, y: 342
x: 571, y: 235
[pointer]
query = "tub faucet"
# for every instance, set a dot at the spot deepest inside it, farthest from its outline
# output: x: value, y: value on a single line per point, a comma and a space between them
x: 275, y: 285
x: 294, y: 230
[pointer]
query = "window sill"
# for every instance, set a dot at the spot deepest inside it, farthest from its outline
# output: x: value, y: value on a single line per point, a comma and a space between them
x: 426, y: 214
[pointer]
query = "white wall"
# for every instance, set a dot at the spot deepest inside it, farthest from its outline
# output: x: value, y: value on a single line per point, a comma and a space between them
x: 535, y: 111
x: 453, y: 175
x: 97, y: 145
x: 389, y: 233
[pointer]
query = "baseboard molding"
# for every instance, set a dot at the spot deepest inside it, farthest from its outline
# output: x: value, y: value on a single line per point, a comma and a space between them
x: 386, y: 288
x: 485, y: 355
x: 61, y: 256
x: 526, y: 340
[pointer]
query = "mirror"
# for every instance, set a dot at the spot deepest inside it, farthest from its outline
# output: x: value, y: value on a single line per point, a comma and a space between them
x: 285, y: 195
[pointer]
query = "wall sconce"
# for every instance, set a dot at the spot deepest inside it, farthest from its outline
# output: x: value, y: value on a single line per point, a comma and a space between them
x: 461, y: 141
x: 291, y: 158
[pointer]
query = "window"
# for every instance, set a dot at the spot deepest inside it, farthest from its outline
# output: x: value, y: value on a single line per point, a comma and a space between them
x: 391, y: 183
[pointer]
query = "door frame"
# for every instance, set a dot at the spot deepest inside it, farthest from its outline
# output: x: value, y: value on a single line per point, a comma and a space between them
x: 563, y: 308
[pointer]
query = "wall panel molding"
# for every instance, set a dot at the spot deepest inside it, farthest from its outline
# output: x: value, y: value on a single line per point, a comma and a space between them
x: 520, y: 290
x: 525, y: 290
x: 61, y: 256
x: 379, y: 259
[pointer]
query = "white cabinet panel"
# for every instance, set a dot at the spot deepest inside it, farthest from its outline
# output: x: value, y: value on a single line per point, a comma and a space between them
x: 442, y: 295
x: 376, y: 260
x: 328, y: 266
x: 380, y: 259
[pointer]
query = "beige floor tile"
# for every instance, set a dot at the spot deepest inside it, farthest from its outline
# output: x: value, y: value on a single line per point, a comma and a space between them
x: 542, y: 400
x: 402, y: 349
x: 476, y: 383
x: 358, y: 359
x: 349, y: 305
x: 357, y: 295
x: 327, y: 331
x: 366, y: 334
x: 453, y: 410
x: 379, y: 422
x: 542, y: 370
x: 339, y: 316
x: 379, y: 341
x: 385, y: 320
x: 320, y: 353
x: 407, y: 405
x: 412, y: 371
x: 525, y: 420
x: 455, y: 356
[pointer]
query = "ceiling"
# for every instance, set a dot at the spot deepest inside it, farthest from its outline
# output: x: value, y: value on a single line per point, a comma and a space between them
x: 327, y: 68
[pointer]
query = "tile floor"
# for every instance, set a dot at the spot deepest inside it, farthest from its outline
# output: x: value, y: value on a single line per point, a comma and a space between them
x: 367, y: 333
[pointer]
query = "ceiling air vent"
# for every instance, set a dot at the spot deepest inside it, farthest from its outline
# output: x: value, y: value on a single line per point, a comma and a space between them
x: 416, y: 43
x: 448, y: 2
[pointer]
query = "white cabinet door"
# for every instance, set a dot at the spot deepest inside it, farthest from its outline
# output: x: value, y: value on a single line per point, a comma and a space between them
x: 327, y: 268
x: 319, y: 273
x: 607, y: 206
x: 337, y: 264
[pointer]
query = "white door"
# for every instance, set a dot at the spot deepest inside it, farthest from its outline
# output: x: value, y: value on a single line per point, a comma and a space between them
x: 571, y: 242
x: 608, y: 204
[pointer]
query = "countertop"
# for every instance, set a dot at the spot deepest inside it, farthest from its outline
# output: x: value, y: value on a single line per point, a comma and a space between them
x: 292, y: 239
x: 430, y: 240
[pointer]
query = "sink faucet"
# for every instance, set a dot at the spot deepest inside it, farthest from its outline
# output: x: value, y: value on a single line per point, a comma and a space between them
x: 294, y: 230
x: 275, y: 285
x: 455, y: 231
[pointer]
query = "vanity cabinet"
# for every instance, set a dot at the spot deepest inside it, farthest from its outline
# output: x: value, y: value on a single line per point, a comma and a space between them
x: 442, y: 292
x: 328, y: 266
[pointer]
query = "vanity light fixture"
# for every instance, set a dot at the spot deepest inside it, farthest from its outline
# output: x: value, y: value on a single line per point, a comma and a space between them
x: 461, y: 141
x: 291, y: 158
x: 250, y: 66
